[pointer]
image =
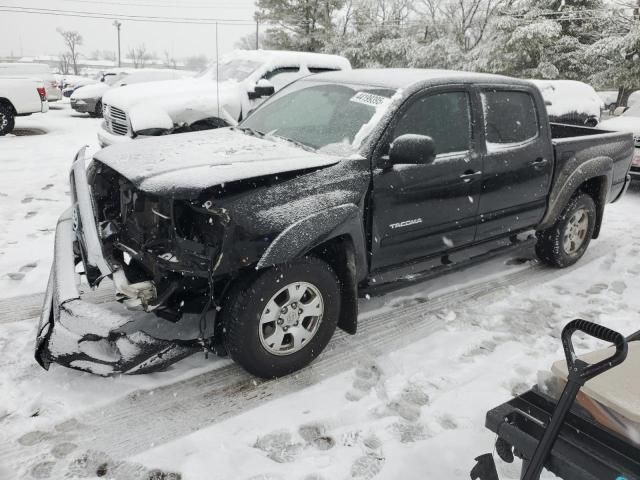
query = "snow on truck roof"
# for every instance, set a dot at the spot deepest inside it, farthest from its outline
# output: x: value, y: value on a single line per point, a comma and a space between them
x: 310, y: 59
x: 395, y: 78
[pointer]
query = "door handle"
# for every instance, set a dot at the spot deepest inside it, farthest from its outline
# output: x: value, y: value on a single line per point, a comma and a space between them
x: 470, y: 175
x: 539, y: 162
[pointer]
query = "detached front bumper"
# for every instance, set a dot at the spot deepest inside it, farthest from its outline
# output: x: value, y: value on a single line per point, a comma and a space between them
x: 104, y: 339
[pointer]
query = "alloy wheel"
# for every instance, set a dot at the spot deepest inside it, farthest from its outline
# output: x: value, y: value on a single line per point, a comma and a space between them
x: 291, y: 318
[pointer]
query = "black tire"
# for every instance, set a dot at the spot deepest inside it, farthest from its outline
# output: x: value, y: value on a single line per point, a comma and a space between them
x: 551, y: 248
x: 97, y: 112
x: 247, y: 300
x: 7, y: 119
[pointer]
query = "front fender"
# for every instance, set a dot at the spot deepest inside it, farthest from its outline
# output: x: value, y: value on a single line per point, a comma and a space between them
x: 574, y: 174
x: 309, y: 232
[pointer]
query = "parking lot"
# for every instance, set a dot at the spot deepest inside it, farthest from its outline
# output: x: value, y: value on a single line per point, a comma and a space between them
x: 370, y: 401
x: 34, y: 190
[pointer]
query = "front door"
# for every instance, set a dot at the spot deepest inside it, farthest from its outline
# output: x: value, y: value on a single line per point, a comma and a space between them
x: 423, y: 210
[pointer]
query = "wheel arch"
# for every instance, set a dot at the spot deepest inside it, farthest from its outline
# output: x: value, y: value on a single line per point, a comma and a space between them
x: 335, y: 235
x: 7, y: 102
x: 592, y: 177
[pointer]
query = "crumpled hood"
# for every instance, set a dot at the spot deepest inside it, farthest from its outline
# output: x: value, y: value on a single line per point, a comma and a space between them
x: 94, y: 90
x: 622, y: 124
x: 184, y: 165
x: 184, y: 100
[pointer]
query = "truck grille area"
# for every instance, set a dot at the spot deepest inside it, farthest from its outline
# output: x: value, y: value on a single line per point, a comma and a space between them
x: 161, y: 236
x: 116, y: 120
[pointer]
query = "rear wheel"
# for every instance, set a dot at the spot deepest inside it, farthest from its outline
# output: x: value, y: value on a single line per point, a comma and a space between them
x: 279, y: 320
x: 7, y: 119
x: 565, y: 242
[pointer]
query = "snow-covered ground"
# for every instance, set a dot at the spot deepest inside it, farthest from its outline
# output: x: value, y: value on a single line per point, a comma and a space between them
x: 34, y: 189
x: 403, y: 399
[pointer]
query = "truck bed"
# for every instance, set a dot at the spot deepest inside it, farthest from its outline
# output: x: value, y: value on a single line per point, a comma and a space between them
x: 573, y: 145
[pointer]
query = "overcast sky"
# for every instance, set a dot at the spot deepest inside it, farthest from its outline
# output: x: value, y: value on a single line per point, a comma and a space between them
x: 31, y: 34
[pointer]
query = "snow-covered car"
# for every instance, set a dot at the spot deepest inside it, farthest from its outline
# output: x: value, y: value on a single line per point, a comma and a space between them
x: 20, y: 96
x: 240, y: 81
x: 40, y: 71
x: 571, y: 102
x: 88, y: 99
x: 629, y: 122
x: 70, y: 83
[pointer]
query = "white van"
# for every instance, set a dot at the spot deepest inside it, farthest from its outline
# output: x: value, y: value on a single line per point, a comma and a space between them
x: 40, y: 71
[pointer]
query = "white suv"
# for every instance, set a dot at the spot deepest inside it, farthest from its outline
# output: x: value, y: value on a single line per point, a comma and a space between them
x: 221, y: 95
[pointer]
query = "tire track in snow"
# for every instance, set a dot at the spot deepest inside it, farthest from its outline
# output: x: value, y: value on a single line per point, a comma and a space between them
x: 144, y: 419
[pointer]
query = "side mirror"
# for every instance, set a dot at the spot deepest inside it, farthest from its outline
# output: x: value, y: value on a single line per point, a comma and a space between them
x: 264, y: 88
x: 411, y: 149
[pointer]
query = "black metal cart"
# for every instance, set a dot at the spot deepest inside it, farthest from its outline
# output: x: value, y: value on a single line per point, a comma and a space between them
x: 555, y: 435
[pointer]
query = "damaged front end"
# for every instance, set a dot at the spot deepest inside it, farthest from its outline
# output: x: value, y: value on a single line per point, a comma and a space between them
x: 160, y: 254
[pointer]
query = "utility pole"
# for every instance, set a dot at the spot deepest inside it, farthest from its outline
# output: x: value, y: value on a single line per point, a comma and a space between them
x: 118, y: 24
x: 257, y: 35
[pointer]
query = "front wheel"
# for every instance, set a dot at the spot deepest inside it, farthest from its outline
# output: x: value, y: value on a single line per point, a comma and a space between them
x: 565, y: 242
x: 7, y: 120
x: 97, y: 111
x: 279, y: 320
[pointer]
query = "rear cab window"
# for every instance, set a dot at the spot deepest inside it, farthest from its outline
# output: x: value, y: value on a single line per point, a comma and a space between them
x: 510, y: 117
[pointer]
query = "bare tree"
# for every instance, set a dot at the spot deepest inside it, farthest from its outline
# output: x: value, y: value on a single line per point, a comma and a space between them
x: 169, y: 60
x: 73, y: 40
x: 139, y: 56
x: 384, y: 12
x: 63, y: 63
x: 347, y: 16
x: 465, y: 20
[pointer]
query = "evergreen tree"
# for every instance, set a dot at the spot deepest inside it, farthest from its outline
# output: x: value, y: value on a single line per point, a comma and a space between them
x: 545, y: 39
x: 304, y: 25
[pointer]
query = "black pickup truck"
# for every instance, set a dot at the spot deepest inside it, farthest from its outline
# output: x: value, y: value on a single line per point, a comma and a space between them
x: 257, y: 240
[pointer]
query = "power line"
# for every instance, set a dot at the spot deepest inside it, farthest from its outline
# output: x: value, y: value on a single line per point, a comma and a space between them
x: 160, y: 5
x: 128, y: 17
x: 568, y: 15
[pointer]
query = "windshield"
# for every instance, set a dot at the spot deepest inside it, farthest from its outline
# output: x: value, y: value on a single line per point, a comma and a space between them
x: 236, y: 70
x: 334, y: 118
x: 111, y: 78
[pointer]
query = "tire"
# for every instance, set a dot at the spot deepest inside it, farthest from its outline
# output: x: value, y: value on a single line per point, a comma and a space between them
x: 7, y: 119
x: 251, y: 326
x: 97, y: 112
x: 565, y: 242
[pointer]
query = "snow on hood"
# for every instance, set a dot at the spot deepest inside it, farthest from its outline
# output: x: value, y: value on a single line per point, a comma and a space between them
x: 94, y: 90
x: 184, y: 165
x: 622, y: 124
x: 183, y: 100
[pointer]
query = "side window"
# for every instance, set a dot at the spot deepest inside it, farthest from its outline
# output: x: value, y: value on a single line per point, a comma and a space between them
x: 283, y: 76
x: 321, y: 70
x: 510, y: 117
x: 445, y: 117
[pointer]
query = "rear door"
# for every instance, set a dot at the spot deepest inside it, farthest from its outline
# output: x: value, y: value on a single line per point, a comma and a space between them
x: 518, y: 162
x: 422, y: 210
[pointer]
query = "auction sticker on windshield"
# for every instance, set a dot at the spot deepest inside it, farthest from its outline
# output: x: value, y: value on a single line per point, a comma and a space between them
x: 368, y: 99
